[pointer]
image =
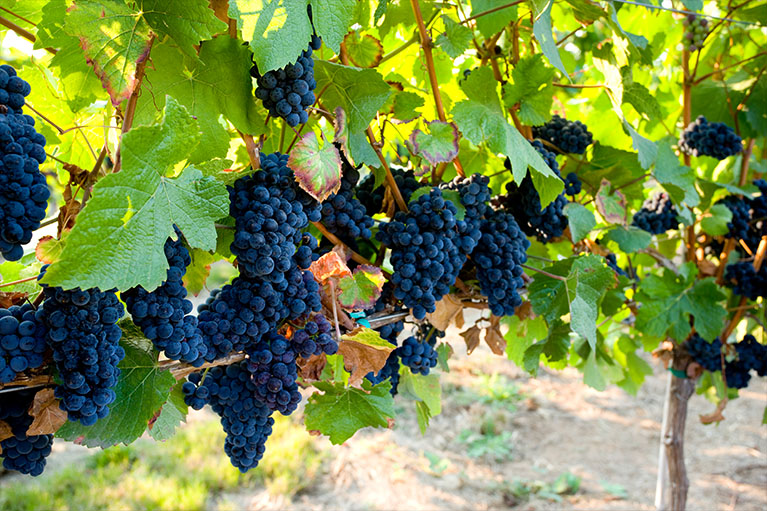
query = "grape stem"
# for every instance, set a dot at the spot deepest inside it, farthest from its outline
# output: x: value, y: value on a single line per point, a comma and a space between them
x: 20, y: 281
x: 336, y: 241
x: 29, y: 36
x: 389, y: 176
x: 543, y: 272
x: 58, y: 128
x: 722, y: 69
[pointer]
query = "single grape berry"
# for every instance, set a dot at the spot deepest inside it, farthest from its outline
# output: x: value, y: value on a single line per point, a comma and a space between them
x: 715, y: 139
x: 657, y: 215
x: 567, y: 136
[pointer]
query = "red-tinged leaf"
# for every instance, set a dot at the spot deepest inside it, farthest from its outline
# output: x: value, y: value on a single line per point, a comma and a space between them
x: 611, y: 204
x: 440, y: 145
x: 364, y: 351
x: 48, y: 249
x: 341, y: 127
x: 317, y: 166
x: 361, y: 289
x: 115, y: 40
x: 48, y: 416
x: 327, y: 266
x: 363, y: 50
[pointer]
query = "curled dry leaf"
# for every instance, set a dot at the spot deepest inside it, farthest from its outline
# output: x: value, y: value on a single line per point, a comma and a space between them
x: 471, y: 336
x: 8, y: 299
x: 47, y: 416
x: 445, y: 311
x: 525, y: 311
x: 5, y: 431
x: 716, y: 415
x: 493, y: 336
x: 364, y: 351
x: 311, y: 368
x: 327, y: 266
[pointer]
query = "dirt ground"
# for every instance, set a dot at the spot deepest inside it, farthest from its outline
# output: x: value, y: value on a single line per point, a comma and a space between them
x: 608, y: 439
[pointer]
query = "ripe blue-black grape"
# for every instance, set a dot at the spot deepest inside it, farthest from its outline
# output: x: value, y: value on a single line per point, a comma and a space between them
x: 241, y: 313
x: 314, y: 337
x: 232, y: 395
x: 749, y: 217
x: 269, y: 211
x: 287, y: 92
x: 573, y: 185
x: 84, y: 337
x: 22, y: 340
x: 23, y: 191
x: 657, y: 215
x: 612, y: 262
x: 13, y: 90
x: 707, y: 354
x: 389, y: 332
x: 524, y: 203
x: 343, y: 214
x: 419, y: 355
x: 498, y: 257
x: 425, y: 251
x: 20, y: 452
x: 716, y: 139
x: 745, y: 280
x: 568, y: 136
x: 373, y: 199
x: 749, y: 354
x: 272, y: 363
x: 163, y: 314
x: 474, y: 193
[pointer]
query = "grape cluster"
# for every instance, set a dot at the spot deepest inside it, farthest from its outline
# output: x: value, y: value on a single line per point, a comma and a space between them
x: 287, y: 92
x: 196, y: 395
x: 524, y: 203
x: 84, y: 336
x: 707, y: 354
x: 749, y: 217
x: 343, y: 214
x: 22, y: 340
x: 612, y: 262
x: 419, y: 355
x: 269, y: 212
x: 232, y: 394
x: 372, y: 198
x: 163, y: 314
x: 272, y: 363
x: 23, y: 191
x: 314, y: 337
x: 746, y: 281
x: 657, y: 215
x: 738, y: 227
x: 241, y: 313
x: 475, y: 193
x: 573, y: 185
x: 499, y: 255
x: 749, y: 354
x: 13, y: 90
x: 716, y: 139
x: 426, y: 255
x: 20, y: 452
x: 567, y: 136
x: 695, y: 31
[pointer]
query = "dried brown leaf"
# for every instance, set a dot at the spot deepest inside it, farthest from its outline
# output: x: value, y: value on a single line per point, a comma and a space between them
x: 716, y: 415
x: 311, y: 368
x: 471, y: 336
x: 10, y: 298
x: 445, y: 310
x: 494, y: 338
x: 329, y: 265
x: 48, y: 416
x: 5, y: 431
x: 361, y: 359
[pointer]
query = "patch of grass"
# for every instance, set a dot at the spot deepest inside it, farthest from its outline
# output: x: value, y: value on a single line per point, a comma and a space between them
x: 518, y: 491
x: 182, y: 473
x: 494, y: 390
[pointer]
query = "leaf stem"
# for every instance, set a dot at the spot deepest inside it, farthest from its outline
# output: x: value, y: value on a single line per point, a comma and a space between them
x: 26, y: 34
x: 58, y: 128
x: 20, y: 281
x: 543, y: 272
x: 721, y: 69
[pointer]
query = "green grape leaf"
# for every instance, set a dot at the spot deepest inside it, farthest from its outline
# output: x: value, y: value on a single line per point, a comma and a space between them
x: 406, y: 105
x: 215, y: 84
x: 339, y: 411
x: 531, y: 88
x: 715, y: 223
x: 361, y: 289
x: 629, y: 239
x: 187, y: 22
x: 425, y: 391
x: 120, y: 235
x: 481, y: 119
x: 490, y: 24
x: 277, y: 30
x: 141, y: 389
x: 584, y: 282
x: 678, y: 180
x: 363, y: 50
x: 542, y: 29
x: 693, y: 5
x: 361, y: 152
x: 580, y: 220
x: 455, y: 39
x: 317, y: 166
x: 360, y: 92
x: 592, y: 373
x: 668, y: 301
x: 332, y: 19
x: 585, y: 11
x: 163, y: 426
x: 197, y: 272
x: 11, y: 271
x: 115, y: 40
x: 642, y: 100
x: 440, y: 145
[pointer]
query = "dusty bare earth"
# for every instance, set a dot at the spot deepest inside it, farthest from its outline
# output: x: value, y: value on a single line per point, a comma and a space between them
x: 608, y: 439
